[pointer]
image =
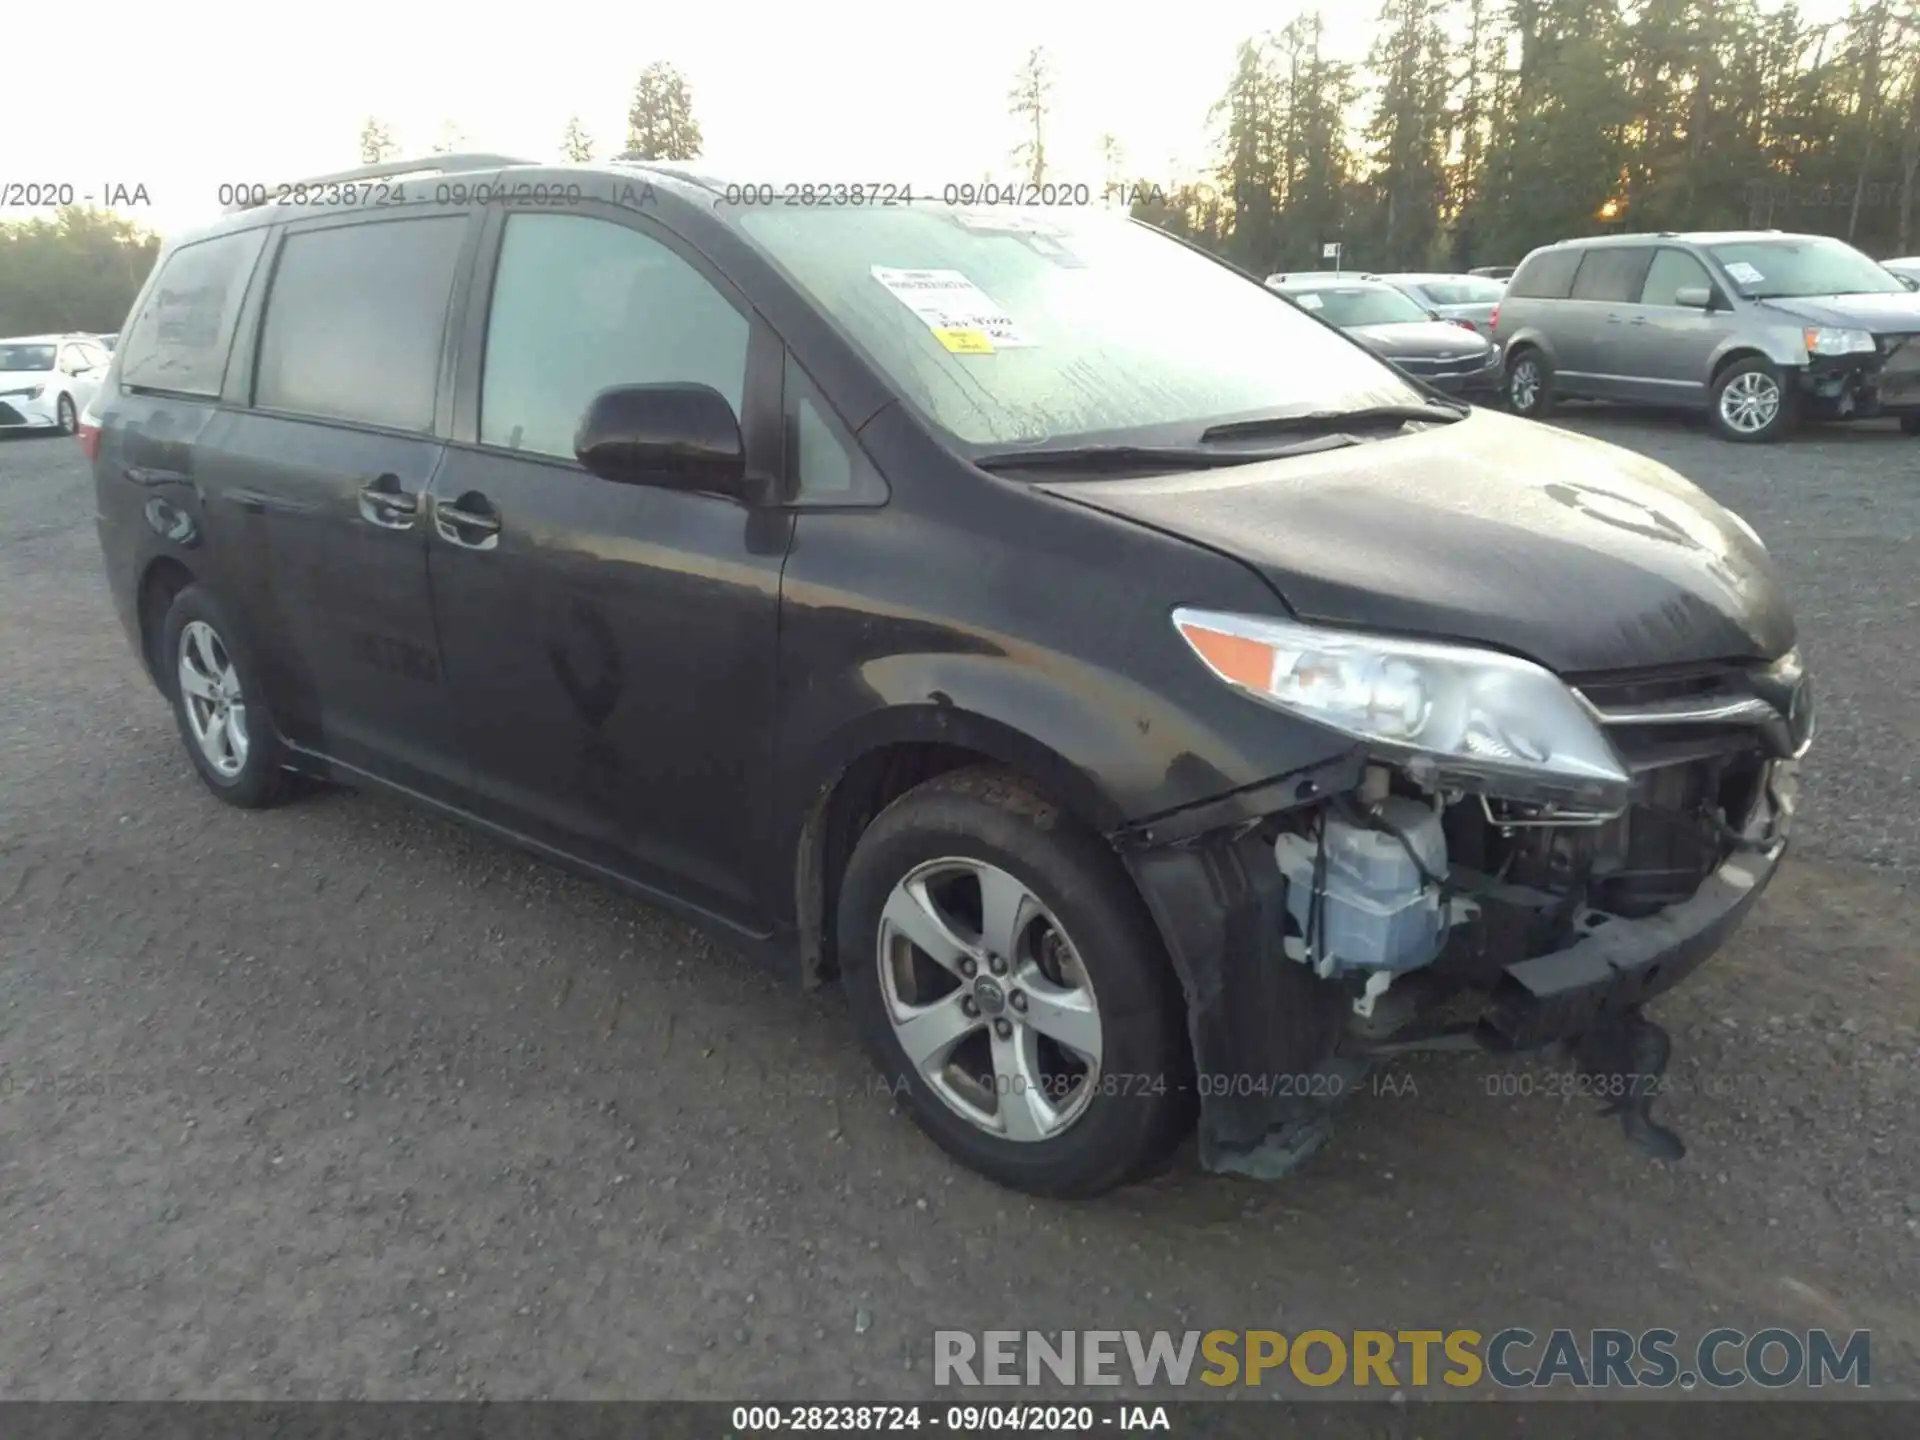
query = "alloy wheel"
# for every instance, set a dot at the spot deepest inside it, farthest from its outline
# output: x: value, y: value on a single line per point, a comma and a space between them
x: 989, y: 1000
x: 1526, y: 384
x: 210, y: 689
x: 1750, y: 402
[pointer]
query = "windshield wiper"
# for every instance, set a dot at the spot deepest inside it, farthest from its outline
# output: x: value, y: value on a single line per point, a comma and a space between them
x: 1334, y: 421
x: 1109, y: 459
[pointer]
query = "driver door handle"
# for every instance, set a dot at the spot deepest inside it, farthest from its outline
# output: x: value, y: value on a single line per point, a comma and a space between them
x: 470, y: 521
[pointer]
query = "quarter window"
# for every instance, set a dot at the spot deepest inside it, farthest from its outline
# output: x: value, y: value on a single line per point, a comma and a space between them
x: 580, y: 305
x: 1546, y: 276
x: 179, y: 340
x: 356, y: 320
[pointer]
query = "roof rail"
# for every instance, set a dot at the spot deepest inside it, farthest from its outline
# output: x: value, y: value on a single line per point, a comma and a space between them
x: 385, y: 169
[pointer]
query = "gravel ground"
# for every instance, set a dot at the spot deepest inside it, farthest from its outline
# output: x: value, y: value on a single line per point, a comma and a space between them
x: 340, y: 1101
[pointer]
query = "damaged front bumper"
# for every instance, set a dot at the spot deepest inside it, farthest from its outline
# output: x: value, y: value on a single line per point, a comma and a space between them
x: 1276, y: 1046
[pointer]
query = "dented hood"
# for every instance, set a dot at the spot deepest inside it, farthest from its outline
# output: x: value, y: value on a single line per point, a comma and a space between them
x: 1503, y: 532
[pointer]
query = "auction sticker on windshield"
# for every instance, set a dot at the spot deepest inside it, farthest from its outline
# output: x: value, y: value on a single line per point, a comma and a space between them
x: 958, y: 312
x: 1745, y: 273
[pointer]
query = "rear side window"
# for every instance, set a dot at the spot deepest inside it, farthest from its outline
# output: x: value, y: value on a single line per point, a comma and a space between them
x: 355, y: 322
x: 1611, y: 273
x: 1546, y: 276
x: 1671, y: 272
x: 179, y: 340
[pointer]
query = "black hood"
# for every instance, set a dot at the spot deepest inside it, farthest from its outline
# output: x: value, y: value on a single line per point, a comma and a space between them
x: 1419, y: 340
x: 1890, y: 314
x: 1503, y: 532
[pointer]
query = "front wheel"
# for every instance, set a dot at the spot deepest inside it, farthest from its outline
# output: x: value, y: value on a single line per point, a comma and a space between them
x: 67, y: 416
x: 1011, y: 986
x: 1753, y: 403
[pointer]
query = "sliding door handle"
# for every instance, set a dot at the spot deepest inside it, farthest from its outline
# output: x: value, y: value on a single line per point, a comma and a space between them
x: 383, y: 503
x: 470, y: 521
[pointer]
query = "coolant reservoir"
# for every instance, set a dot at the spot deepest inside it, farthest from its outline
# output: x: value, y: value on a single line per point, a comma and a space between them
x: 1378, y: 914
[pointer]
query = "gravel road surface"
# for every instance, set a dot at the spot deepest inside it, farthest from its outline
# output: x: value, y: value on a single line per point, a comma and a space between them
x: 337, y: 1100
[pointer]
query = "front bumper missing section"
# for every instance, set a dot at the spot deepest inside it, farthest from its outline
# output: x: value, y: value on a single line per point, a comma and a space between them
x: 1269, y: 1059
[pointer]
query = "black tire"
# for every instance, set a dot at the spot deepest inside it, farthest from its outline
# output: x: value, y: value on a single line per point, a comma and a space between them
x: 1910, y: 424
x: 1524, y: 364
x: 66, y: 416
x: 261, y: 778
x: 1133, y: 1120
x: 1736, y: 377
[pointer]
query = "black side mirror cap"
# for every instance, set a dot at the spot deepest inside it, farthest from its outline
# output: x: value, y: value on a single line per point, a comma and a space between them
x: 673, y: 437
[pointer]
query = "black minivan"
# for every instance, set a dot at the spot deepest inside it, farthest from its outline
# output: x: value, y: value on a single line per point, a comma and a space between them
x: 1148, y: 704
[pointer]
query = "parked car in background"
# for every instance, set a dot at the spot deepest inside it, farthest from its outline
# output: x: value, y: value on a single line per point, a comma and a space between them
x: 1493, y: 272
x: 47, y: 380
x: 1465, y: 298
x: 1126, y: 704
x: 107, y: 342
x: 1907, y: 267
x: 1449, y: 357
x: 1757, y: 328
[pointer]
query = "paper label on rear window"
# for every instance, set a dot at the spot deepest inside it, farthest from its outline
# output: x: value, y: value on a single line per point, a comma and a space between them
x: 1308, y: 302
x: 957, y: 311
x: 1745, y: 273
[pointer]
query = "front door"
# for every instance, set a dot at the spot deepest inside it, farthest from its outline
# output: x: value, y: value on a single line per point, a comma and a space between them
x: 610, y: 647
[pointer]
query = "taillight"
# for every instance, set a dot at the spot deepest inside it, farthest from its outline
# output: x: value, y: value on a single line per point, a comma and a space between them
x: 88, y: 433
x: 1467, y: 325
x: 1493, y: 320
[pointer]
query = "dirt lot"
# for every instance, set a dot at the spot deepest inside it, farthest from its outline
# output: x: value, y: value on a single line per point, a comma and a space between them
x: 339, y: 1101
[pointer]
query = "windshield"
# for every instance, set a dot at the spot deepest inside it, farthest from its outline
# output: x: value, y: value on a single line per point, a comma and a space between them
x: 1464, y: 290
x: 1349, y: 305
x: 1813, y: 265
x: 1018, y: 326
x: 26, y: 357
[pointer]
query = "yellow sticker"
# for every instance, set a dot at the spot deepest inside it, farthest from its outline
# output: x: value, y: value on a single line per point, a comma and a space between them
x: 966, y: 342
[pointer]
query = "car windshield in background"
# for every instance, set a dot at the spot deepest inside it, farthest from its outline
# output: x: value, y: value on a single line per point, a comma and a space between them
x: 1784, y: 269
x: 1468, y: 290
x: 1349, y: 305
x: 26, y: 357
x: 1022, y: 326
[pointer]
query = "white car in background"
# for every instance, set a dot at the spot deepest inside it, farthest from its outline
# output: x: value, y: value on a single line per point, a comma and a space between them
x: 47, y: 380
x: 1906, y: 267
x: 1467, y: 300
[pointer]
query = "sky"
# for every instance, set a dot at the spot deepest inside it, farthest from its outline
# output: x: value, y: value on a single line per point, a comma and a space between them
x: 182, y: 96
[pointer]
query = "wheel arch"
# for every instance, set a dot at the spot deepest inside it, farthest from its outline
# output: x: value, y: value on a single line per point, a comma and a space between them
x: 163, y: 579
x: 878, y: 763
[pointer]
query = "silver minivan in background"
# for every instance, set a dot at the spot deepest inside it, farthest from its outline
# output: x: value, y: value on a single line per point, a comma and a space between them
x: 1757, y: 328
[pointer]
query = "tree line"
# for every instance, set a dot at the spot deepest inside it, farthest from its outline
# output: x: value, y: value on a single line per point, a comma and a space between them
x: 80, y: 270
x: 1474, y: 130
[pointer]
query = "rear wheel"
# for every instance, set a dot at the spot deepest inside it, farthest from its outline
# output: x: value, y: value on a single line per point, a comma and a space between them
x: 1012, y: 988
x: 67, y: 417
x: 1529, y: 384
x: 1753, y: 403
x: 216, y: 700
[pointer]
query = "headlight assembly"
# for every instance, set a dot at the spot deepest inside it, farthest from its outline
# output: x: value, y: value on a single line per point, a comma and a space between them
x: 1451, y: 716
x: 1824, y: 340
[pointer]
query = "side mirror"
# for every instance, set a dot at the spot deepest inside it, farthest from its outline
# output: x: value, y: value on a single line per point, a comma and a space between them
x: 1694, y: 297
x: 674, y: 437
